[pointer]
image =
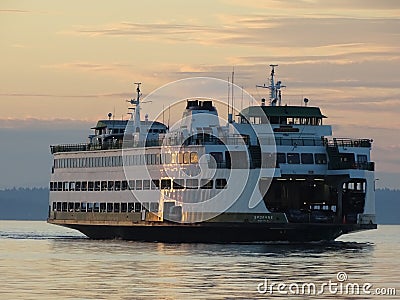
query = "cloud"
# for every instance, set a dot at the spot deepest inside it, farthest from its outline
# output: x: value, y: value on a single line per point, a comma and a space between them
x: 18, y: 11
x: 29, y: 124
x: 40, y: 95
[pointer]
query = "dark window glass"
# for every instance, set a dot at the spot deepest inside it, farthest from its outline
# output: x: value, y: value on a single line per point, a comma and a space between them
x: 124, y: 185
x: 220, y: 183
x: 165, y: 184
x: 117, y: 185
x: 281, y: 158
x: 155, y: 184
x: 307, y: 158
x: 138, y: 207
x: 178, y: 184
x: 320, y: 158
x: 293, y: 158
x: 206, y: 183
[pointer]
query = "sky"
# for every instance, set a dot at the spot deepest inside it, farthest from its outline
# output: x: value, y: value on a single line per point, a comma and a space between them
x: 66, y: 64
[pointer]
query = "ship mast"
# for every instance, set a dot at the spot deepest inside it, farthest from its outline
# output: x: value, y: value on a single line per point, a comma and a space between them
x: 275, y: 95
x: 136, y: 103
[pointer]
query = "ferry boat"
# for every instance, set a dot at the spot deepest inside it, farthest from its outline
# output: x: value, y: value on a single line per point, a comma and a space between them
x: 273, y: 174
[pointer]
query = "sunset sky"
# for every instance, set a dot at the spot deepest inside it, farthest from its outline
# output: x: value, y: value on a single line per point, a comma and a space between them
x: 66, y: 64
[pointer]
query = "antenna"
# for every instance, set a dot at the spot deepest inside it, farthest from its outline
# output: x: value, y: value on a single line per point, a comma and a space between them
x: 229, y: 90
x: 275, y: 94
x: 233, y: 75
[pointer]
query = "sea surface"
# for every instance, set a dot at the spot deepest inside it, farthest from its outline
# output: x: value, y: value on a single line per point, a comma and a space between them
x: 43, y: 261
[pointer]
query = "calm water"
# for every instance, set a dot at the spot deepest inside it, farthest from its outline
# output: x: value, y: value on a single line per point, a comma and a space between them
x: 41, y: 261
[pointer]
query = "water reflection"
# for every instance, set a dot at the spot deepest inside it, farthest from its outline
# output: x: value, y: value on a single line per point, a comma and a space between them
x: 67, y: 265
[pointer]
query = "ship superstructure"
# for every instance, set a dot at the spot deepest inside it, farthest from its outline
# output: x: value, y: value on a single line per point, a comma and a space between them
x: 274, y: 174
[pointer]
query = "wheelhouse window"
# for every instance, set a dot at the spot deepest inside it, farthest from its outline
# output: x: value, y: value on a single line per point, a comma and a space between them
x: 293, y: 158
x: 281, y: 158
x: 307, y: 158
x: 320, y: 158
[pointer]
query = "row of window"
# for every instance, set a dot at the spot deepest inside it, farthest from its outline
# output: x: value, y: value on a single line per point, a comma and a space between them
x: 115, y: 207
x: 127, y: 160
x: 139, y: 184
x: 303, y: 158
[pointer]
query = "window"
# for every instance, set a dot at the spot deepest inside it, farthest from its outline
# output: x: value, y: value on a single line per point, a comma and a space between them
x: 178, y: 184
x: 220, y: 183
x: 97, y: 186
x: 206, y: 184
x: 155, y: 184
x: 192, y: 183
x: 320, y: 158
x: 96, y: 207
x: 110, y: 186
x: 116, y: 207
x: 180, y: 158
x: 117, y: 185
x: 186, y: 157
x: 146, y: 184
x: 131, y: 184
x: 281, y: 158
x: 102, y: 207
x: 154, y: 206
x: 293, y: 158
x: 165, y: 184
x: 307, y: 158
x: 362, y: 158
x: 59, y: 186
x: 104, y: 185
x: 138, y: 207
x: 217, y: 156
x: 110, y: 207
x: 65, y: 186
x: 90, y: 186
x: 139, y: 184
x: 131, y: 207
x: 77, y: 186
x: 84, y: 186
x: 194, y: 159
x: 124, y: 185
x: 124, y: 207
x: 72, y: 186
x: 89, y: 207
